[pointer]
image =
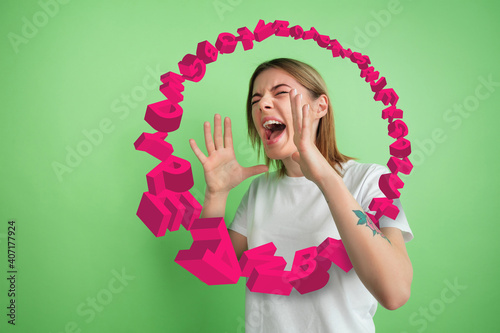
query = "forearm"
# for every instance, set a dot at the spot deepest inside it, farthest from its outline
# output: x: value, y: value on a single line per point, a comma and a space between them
x: 381, y: 263
x: 214, y: 204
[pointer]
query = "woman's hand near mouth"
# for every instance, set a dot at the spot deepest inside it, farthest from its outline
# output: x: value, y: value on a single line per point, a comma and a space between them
x: 312, y: 162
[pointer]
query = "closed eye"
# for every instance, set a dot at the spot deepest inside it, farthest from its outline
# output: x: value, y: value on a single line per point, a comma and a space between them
x: 281, y: 92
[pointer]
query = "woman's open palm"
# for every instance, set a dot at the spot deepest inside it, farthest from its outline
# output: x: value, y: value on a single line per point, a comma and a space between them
x: 222, y: 171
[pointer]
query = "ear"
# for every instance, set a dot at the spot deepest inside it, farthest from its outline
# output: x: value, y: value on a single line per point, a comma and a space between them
x: 322, y: 106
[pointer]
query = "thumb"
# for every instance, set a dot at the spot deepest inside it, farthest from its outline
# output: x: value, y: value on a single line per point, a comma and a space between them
x: 255, y: 170
x: 296, y: 157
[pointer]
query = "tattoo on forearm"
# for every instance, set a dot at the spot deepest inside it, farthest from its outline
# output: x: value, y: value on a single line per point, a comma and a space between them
x: 363, y: 219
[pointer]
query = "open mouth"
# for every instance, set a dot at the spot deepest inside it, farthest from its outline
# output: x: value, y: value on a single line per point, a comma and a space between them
x: 273, y: 129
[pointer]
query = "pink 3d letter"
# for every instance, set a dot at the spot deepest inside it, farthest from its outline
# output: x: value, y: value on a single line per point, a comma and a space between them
x: 155, y: 215
x: 172, y: 87
x: 384, y: 206
x: 333, y: 250
x: 167, y: 211
x: 265, y: 271
x: 296, y: 32
x: 392, y: 112
x: 370, y: 74
x: 389, y: 185
x: 323, y: 41
x: 155, y: 145
x: 173, y: 174
x: 164, y: 116
x: 361, y: 60
x: 211, y: 257
x: 226, y: 43
x: 335, y: 47
x: 281, y: 28
x: 378, y: 85
x: 193, y: 209
x: 177, y: 174
x: 246, y: 38
x: 397, y: 129
x: 345, y: 53
x: 400, y: 148
x: 192, y: 68
x: 387, y: 96
x: 400, y: 165
x: 206, y: 52
x: 263, y: 31
x: 310, y: 34
x: 374, y: 220
x: 308, y: 273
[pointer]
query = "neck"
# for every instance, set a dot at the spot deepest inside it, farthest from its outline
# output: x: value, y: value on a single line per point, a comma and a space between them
x: 292, y: 167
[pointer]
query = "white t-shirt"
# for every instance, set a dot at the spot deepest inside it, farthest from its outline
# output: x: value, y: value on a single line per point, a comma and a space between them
x: 294, y: 215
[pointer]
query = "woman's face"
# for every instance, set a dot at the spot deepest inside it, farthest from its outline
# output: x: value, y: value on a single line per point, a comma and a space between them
x: 272, y: 114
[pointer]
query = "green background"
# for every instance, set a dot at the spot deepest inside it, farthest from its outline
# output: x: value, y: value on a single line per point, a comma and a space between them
x: 92, y: 62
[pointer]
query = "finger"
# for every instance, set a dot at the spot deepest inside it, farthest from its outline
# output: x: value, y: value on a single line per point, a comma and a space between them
x: 201, y: 157
x: 228, y: 134
x: 254, y: 170
x: 218, y: 132
x: 298, y: 112
x: 293, y: 95
x: 208, y: 138
x: 306, y: 121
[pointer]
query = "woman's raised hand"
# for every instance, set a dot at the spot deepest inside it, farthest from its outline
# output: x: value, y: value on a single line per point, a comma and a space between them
x: 222, y: 171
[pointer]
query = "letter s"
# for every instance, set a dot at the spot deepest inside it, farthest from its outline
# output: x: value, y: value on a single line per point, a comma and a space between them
x: 417, y: 322
x: 449, y: 118
x: 89, y: 312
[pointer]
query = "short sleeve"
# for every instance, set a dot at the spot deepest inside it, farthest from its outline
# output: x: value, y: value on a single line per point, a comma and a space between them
x: 239, y: 223
x: 370, y: 189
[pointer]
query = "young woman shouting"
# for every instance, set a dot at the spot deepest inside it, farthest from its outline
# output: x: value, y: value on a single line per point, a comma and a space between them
x: 316, y: 192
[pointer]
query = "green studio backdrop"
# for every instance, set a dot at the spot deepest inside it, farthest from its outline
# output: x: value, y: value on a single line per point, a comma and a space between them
x: 74, y: 69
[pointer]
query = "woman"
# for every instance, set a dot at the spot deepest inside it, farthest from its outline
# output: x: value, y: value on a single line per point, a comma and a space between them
x: 315, y: 193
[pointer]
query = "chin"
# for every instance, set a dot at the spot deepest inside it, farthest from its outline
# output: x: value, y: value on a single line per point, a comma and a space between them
x: 277, y: 155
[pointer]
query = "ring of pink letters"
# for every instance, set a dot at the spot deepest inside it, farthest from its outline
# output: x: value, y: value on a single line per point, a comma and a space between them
x: 168, y: 202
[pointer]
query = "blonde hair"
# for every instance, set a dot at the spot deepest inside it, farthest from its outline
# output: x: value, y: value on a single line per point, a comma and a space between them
x: 310, y: 79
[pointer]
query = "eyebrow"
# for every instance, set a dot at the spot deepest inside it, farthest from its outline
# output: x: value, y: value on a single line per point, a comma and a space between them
x: 272, y: 89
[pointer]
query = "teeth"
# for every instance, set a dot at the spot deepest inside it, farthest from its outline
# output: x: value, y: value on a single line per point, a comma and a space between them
x: 269, y: 122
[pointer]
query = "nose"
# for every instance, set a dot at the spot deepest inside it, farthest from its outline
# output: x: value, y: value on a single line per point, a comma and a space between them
x: 265, y: 103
